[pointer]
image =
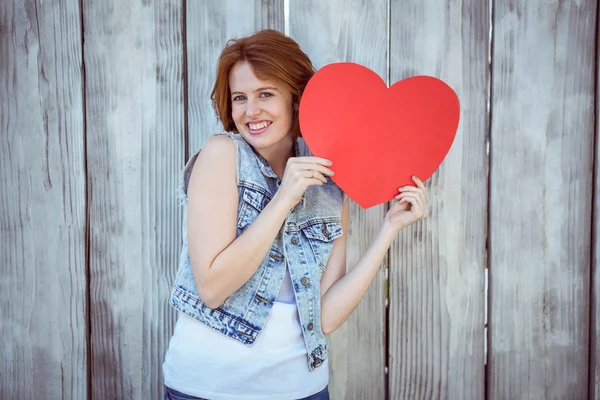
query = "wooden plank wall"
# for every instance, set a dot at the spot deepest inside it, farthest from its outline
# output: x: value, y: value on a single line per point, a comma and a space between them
x: 594, y: 372
x: 437, y: 266
x: 135, y: 148
x: 540, y: 198
x: 101, y: 106
x: 42, y: 202
x: 210, y: 24
x: 356, y: 31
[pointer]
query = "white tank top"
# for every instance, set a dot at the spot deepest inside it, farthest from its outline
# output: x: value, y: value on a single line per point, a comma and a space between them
x: 205, y: 363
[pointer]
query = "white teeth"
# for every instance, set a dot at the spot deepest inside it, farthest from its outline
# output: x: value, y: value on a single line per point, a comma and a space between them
x: 258, y: 126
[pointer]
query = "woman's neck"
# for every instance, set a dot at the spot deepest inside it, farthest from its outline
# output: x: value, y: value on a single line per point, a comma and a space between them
x: 278, y: 155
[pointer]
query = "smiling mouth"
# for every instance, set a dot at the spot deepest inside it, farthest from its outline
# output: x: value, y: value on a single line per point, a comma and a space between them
x: 259, y: 127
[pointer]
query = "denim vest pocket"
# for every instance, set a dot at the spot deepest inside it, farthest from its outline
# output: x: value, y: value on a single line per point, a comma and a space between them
x: 320, y: 234
x: 253, y: 201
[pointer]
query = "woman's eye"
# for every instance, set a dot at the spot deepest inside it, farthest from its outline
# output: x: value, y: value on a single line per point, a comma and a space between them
x: 266, y: 94
x: 239, y: 98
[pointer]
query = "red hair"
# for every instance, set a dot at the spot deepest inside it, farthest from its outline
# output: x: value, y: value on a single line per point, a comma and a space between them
x: 272, y: 56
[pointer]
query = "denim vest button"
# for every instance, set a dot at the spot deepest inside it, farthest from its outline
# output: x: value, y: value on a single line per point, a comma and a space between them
x: 325, y: 231
x: 305, y: 281
x: 295, y: 241
x: 309, y: 326
x: 260, y: 298
x: 317, y: 362
x: 276, y: 257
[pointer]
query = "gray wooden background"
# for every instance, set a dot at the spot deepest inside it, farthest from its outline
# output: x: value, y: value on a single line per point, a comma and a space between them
x: 496, y: 295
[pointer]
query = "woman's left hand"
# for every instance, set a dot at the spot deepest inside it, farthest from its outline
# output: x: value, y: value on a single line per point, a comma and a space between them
x: 410, y: 206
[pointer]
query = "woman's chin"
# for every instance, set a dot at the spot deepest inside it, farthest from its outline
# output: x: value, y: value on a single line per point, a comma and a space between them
x: 264, y: 140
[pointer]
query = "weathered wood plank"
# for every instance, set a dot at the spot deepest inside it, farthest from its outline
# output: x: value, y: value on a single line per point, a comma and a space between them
x: 594, y: 392
x: 541, y: 191
x: 210, y: 24
x: 135, y: 147
x: 273, y: 15
x: 437, y: 266
x: 355, y: 31
x: 42, y: 202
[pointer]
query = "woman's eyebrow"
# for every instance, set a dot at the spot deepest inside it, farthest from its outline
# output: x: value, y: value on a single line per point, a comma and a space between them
x: 266, y: 88
x: 258, y: 90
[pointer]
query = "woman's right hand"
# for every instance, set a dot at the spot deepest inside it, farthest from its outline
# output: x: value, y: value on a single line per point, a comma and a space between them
x: 299, y: 174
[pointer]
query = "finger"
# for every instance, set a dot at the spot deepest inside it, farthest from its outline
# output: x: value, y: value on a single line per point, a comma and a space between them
x: 414, y: 200
x: 415, y: 206
x: 316, y: 160
x: 314, y: 181
x: 407, y: 198
x: 422, y: 204
x: 316, y: 167
x: 404, y: 203
x: 419, y: 183
x: 420, y: 208
x: 311, y: 174
x: 407, y: 194
x: 417, y: 193
x: 422, y: 191
x: 409, y: 189
x: 411, y: 202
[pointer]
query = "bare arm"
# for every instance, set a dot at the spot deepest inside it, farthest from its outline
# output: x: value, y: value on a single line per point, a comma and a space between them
x: 215, y: 253
x: 342, y: 298
x: 222, y: 263
x: 341, y: 292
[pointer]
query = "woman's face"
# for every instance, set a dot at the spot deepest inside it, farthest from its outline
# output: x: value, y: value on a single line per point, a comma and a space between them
x: 261, y: 110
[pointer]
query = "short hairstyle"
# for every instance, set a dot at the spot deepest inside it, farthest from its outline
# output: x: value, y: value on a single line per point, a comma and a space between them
x: 272, y: 56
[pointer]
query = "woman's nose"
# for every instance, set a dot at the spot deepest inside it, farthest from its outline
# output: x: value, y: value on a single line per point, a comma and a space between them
x: 252, y: 109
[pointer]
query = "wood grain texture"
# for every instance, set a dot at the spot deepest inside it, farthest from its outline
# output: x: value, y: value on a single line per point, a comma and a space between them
x: 42, y: 202
x: 210, y: 24
x: 273, y: 17
x: 594, y: 375
x: 134, y: 90
x: 541, y: 191
x: 356, y: 31
x: 436, y: 316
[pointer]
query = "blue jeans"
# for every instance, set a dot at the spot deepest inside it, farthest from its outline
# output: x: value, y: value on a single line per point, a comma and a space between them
x: 172, y: 394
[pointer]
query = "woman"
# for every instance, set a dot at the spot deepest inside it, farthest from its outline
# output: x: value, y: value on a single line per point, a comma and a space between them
x: 262, y: 276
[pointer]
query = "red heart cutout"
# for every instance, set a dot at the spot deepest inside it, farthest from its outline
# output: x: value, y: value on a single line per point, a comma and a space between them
x: 377, y: 137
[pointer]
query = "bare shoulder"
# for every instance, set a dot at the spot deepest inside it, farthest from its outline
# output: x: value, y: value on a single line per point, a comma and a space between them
x: 215, y: 164
x: 218, y: 146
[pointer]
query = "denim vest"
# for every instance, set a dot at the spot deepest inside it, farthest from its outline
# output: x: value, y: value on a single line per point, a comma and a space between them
x: 304, y: 244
